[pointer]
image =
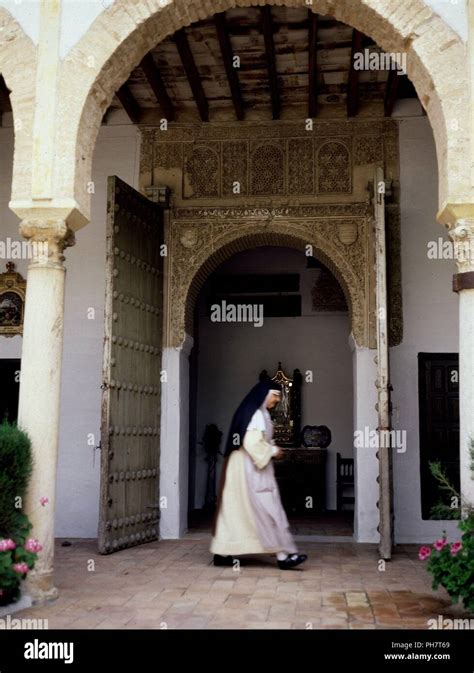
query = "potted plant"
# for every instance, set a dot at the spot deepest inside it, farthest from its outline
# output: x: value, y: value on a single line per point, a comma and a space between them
x: 18, y: 551
x: 452, y: 564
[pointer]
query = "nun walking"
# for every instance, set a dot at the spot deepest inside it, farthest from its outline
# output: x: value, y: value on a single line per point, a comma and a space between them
x: 250, y: 518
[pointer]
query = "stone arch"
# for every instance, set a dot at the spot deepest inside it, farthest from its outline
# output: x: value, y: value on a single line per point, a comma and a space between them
x: 18, y: 68
x: 102, y: 59
x: 187, y: 280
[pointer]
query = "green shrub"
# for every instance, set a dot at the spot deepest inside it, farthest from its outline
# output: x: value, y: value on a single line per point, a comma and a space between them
x: 18, y: 552
x: 452, y: 564
x: 15, y: 471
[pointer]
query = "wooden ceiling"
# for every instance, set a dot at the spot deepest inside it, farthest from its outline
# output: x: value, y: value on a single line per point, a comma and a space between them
x: 292, y: 63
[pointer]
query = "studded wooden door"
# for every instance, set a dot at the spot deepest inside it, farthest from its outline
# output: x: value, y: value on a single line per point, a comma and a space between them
x: 130, y: 432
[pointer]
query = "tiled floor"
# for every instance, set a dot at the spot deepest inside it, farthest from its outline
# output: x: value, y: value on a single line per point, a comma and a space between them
x: 173, y: 584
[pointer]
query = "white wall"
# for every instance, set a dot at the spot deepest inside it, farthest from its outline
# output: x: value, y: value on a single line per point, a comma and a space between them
x: 430, y: 311
x: 116, y: 153
x: 231, y: 356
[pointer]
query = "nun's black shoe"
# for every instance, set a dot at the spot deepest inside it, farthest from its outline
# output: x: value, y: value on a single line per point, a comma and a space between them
x: 223, y: 560
x: 291, y: 561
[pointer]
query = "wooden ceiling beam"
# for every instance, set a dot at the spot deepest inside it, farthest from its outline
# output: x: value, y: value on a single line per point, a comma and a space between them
x: 129, y: 103
x: 228, y: 58
x: 192, y: 73
x: 267, y: 24
x: 157, y: 85
x: 312, y: 67
x: 353, y: 79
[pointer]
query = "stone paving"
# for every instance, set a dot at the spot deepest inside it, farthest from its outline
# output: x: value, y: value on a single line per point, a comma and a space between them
x: 173, y: 584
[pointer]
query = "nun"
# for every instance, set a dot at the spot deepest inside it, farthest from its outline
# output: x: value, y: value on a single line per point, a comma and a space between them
x: 250, y: 518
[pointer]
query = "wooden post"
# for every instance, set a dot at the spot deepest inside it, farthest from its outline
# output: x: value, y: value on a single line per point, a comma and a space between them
x: 383, y: 373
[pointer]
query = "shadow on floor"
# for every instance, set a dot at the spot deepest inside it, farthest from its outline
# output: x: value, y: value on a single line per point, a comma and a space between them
x: 330, y: 523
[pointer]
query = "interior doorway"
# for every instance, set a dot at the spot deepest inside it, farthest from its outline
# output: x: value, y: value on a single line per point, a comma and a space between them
x: 304, y: 324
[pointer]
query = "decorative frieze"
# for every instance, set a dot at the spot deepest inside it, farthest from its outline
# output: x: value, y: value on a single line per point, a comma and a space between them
x: 260, y: 160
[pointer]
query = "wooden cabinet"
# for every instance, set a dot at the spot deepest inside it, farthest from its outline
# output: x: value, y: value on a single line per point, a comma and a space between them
x: 301, y: 476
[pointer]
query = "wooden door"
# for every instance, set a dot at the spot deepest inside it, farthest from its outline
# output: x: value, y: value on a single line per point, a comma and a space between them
x: 439, y: 425
x: 130, y: 430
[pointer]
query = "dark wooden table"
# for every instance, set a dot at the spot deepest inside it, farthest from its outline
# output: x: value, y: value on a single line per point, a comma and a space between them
x: 301, y: 476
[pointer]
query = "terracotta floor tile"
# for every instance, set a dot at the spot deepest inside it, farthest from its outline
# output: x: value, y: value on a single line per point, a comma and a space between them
x: 173, y: 583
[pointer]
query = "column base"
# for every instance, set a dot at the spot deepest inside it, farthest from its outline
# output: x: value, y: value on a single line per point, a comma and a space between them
x: 40, y: 586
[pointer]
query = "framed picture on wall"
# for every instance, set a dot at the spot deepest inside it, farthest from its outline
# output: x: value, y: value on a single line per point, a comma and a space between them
x: 12, y: 302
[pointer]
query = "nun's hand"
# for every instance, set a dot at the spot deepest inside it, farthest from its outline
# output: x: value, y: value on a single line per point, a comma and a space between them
x: 279, y: 454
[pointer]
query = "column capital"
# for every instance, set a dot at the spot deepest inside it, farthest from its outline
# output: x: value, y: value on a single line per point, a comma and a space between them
x: 461, y: 232
x: 49, y: 237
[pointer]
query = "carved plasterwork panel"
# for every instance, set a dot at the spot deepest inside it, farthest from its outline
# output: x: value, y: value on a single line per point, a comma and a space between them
x: 300, y: 166
x: 280, y: 159
x: 201, y: 172
x: 333, y: 168
x: 267, y: 177
x: 327, y: 294
x: 368, y: 150
x: 168, y: 155
x: 235, y: 168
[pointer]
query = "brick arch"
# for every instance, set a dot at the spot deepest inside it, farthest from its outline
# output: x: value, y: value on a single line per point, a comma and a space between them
x: 18, y: 68
x: 185, y: 288
x: 103, y: 58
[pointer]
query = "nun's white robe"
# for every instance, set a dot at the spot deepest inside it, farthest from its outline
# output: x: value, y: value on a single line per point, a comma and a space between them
x: 251, y: 518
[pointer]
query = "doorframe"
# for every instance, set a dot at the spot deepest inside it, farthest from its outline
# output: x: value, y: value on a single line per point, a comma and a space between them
x: 174, y: 456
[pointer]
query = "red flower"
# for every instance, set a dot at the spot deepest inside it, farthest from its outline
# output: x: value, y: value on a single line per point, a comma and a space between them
x: 455, y: 547
x: 424, y: 553
x: 439, y: 544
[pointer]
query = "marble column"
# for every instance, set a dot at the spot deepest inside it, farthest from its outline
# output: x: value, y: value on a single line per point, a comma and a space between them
x: 40, y: 385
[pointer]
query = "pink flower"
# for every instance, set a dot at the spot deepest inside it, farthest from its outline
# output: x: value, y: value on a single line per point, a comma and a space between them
x: 20, y: 568
x: 455, y: 547
x: 424, y: 553
x: 439, y: 544
x: 7, y: 545
x: 44, y: 501
x: 33, y: 546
